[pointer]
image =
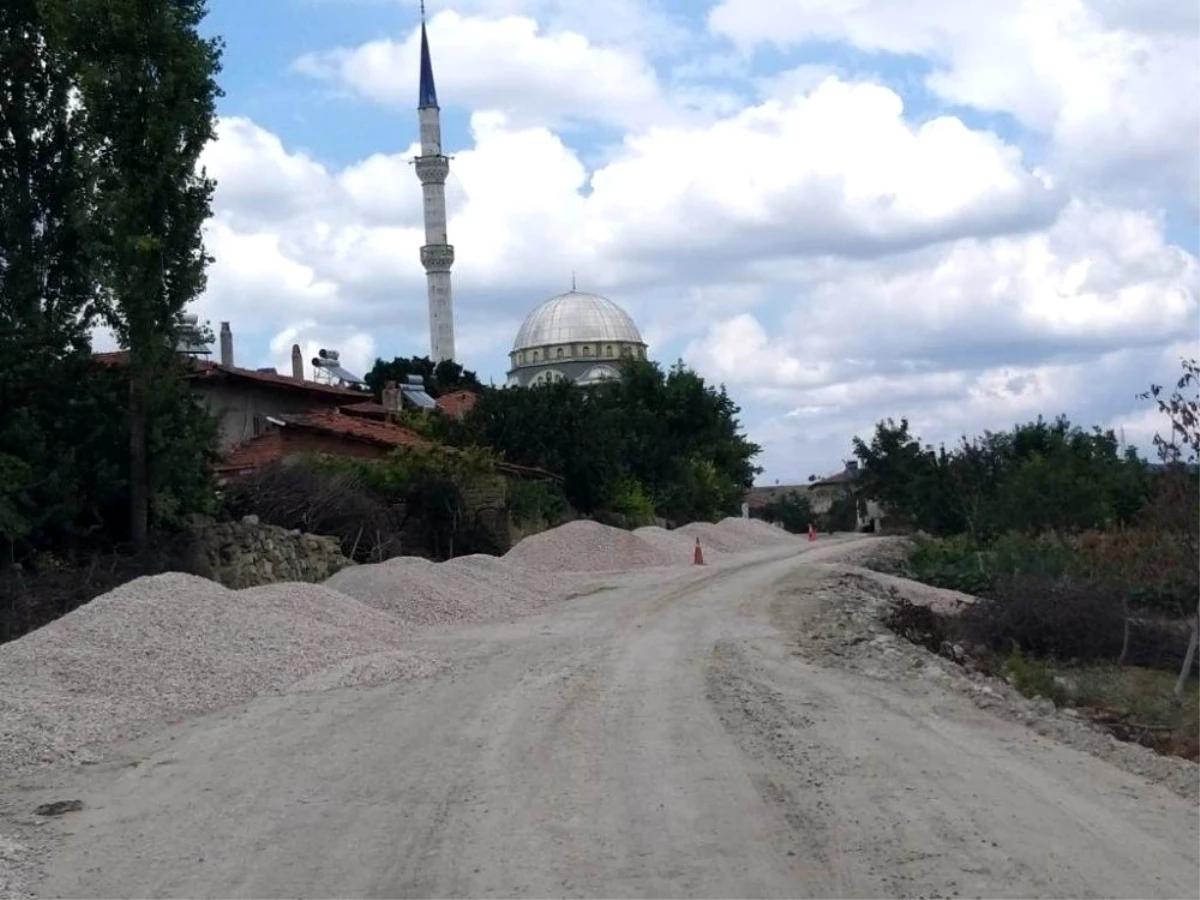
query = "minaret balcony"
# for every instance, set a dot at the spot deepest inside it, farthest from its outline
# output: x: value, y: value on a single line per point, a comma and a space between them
x: 432, y: 169
x: 437, y: 257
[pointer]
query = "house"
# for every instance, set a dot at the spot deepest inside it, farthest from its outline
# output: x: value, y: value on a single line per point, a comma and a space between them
x: 759, y: 497
x: 823, y: 491
x: 339, y: 433
x: 243, y: 401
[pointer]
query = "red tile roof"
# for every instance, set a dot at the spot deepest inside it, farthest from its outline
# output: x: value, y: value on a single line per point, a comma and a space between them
x: 204, y: 368
x: 248, y: 455
x: 369, y: 409
x: 385, y: 434
x: 457, y: 403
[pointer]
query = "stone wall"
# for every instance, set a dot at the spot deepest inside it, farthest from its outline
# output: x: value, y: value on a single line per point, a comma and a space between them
x: 247, y: 553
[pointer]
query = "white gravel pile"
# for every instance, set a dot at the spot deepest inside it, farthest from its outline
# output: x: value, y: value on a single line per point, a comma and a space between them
x: 757, y: 531
x: 161, y: 648
x: 408, y: 587
x: 675, y: 545
x: 475, y: 588
x: 585, y: 546
x: 715, y: 537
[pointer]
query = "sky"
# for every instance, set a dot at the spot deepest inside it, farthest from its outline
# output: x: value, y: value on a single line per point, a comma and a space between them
x: 966, y: 214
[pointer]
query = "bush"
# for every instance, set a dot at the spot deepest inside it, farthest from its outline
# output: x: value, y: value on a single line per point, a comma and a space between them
x: 1048, y: 618
x: 537, y: 504
x: 320, y: 499
x: 631, y: 505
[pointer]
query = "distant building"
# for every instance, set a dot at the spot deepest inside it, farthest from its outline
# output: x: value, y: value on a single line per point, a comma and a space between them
x: 823, y: 491
x: 577, y: 337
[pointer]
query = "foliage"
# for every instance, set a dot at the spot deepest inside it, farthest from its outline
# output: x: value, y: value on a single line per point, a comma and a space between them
x: 792, y: 511
x: 668, y: 431
x: 540, y: 504
x: 1037, y: 477
x: 842, y: 514
x: 440, y: 378
x: 631, y: 503
x: 144, y: 118
x: 1176, y: 507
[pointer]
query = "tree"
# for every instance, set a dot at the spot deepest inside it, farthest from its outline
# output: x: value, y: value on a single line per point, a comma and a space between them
x: 145, y: 82
x: 46, y: 291
x: 675, y: 437
x: 440, y: 378
x: 1179, y: 451
x: 792, y: 511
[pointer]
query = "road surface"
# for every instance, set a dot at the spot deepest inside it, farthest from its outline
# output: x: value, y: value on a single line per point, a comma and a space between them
x: 661, y: 738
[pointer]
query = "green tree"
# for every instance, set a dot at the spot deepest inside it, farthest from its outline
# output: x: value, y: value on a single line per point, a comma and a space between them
x: 46, y: 291
x: 145, y: 82
x: 440, y: 378
x: 792, y: 511
x: 673, y: 435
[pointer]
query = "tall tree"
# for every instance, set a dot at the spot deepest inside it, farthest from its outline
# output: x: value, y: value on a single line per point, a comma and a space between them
x: 46, y: 290
x: 146, y: 85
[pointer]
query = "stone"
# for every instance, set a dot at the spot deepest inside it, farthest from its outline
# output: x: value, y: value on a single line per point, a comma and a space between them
x: 250, y: 519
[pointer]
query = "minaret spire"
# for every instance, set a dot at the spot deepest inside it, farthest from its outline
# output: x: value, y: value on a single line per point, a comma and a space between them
x: 437, y: 256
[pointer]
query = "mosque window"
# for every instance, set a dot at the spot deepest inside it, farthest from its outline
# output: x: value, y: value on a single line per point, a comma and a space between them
x: 608, y: 350
x: 625, y: 351
x: 520, y: 358
x: 587, y: 350
x: 559, y: 352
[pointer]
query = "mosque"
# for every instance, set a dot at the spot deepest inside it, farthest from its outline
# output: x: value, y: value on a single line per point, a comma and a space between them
x: 576, y: 336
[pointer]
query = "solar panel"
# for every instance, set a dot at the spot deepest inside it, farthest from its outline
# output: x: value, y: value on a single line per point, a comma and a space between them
x: 418, y: 398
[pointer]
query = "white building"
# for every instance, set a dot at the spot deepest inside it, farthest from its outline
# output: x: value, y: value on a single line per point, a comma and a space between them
x: 575, y: 336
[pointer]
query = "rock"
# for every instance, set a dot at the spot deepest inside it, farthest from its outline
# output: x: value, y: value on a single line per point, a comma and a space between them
x: 1043, y: 707
x: 58, y: 807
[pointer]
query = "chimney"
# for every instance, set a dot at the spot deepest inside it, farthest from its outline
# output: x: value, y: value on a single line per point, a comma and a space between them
x: 226, y: 346
x: 297, y: 363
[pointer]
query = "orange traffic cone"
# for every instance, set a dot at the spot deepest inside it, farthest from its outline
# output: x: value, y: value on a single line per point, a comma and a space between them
x: 698, y: 556
x: 812, y: 532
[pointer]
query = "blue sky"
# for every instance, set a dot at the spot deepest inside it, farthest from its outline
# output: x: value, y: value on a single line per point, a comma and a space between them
x: 833, y: 208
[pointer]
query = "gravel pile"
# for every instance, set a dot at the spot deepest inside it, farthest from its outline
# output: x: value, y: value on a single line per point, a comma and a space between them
x: 408, y: 587
x: 473, y: 588
x: 585, y: 546
x: 161, y: 648
x: 757, y: 531
x: 674, y: 545
x: 717, y: 537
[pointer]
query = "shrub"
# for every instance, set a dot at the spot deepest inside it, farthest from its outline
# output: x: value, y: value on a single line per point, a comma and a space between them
x: 1048, y: 617
x: 537, y: 503
x: 320, y: 499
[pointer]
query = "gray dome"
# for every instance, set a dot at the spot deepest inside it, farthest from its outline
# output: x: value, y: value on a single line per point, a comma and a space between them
x: 575, y: 317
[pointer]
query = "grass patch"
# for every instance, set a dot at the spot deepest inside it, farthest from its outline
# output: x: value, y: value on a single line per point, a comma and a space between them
x: 1133, y: 703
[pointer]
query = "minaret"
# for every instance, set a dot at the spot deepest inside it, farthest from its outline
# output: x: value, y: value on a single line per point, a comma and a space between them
x: 437, y: 256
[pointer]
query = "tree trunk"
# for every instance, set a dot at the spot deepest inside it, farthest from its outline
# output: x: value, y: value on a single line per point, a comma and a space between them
x: 1125, y: 637
x: 139, y: 469
x: 1188, y: 659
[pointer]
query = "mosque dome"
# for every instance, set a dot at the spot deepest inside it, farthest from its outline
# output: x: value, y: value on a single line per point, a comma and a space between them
x: 577, y: 337
x: 576, y: 317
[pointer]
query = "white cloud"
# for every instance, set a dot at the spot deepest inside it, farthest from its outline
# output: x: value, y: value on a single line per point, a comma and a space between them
x: 1103, y: 78
x: 507, y: 64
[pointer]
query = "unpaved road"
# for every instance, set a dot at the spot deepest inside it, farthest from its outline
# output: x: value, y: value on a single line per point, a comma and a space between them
x: 663, y: 737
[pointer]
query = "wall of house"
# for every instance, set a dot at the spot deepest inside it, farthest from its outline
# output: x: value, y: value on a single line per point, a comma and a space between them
x: 247, y: 553
x: 242, y: 409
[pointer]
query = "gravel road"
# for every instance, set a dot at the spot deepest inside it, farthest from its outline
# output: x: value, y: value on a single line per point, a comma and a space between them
x: 666, y: 735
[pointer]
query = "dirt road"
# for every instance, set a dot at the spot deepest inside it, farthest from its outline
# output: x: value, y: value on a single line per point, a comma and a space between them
x: 663, y: 737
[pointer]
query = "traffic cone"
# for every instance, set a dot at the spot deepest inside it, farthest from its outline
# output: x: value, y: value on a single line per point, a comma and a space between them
x: 698, y: 556
x: 812, y: 532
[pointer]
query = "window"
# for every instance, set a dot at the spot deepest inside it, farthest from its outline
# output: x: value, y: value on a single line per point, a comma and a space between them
x: 520, y: 358
x: 608, y: 350
x: 587, y: 351
x: 559, y: 352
